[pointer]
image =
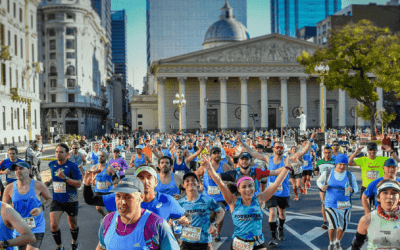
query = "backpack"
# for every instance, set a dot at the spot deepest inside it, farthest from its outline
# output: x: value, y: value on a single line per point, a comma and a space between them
x: 349, y: 177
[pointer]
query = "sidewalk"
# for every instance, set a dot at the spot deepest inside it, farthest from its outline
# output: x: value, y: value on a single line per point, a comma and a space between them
x: 23, y: 149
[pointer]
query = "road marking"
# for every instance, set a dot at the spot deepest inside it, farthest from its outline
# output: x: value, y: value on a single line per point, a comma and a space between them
x: 46, y: 156
x: 216, y: 245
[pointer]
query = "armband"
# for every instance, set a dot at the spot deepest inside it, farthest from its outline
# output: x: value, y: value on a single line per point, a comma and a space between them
x: 358, y: 241
x: 117, y: 175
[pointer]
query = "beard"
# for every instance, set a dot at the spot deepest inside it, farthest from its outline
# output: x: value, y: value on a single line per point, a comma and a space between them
x: 166, y: 170
x: 102, y: 161
x: 245, y: 167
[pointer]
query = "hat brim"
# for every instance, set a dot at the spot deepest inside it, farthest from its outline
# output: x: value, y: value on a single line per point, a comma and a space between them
x: 190, y: 174
x: 125, y: 188
x: 13, y: 166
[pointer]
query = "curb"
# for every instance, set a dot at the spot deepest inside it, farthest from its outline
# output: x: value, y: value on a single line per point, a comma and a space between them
x: 45, y: 148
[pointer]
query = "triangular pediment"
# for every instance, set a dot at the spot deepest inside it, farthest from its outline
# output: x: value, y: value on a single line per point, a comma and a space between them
x: 273, y: 48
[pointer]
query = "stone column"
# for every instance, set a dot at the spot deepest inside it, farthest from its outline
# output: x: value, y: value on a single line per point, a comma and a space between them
x: 284, y: 101
x: 264, y: 102
x: 182, y: 90
x: 322, y: 104
x: 161, y: 104
x: 203, y: 105
x: 303, y: 94
x: 244, y: 120
x: 224, y: 106
x: 342, y: 108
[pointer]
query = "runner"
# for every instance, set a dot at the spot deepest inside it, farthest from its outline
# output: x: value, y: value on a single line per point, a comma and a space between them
x: 295, y: 178
x: 308, y: 165
x: 25, y: 195
x: 66, y: 178
x: 371, y: 166
x: 181, y: 163
x: 246, y: 209
x: 139, y: 158
x: 168, y: 182
x: 118, y: 163
x: 197, y: 235
x: 339, y: 185
x: 93, y: 156
x: 6, y: 166
x: 11, y: 221
x: 132, y: 227
x: 381, y: 226
x: 210, y: 188
x: 327, y: 163
x: 191, y: 149
x: 32, y: 158
x: 390, y: 167
x: 79, y: 159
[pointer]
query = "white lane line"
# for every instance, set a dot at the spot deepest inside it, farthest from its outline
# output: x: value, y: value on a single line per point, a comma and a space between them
x: 216, y: 245
x: 46, y: 156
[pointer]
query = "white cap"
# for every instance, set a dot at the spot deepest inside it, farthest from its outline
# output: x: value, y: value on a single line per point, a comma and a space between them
x: 389, y: 184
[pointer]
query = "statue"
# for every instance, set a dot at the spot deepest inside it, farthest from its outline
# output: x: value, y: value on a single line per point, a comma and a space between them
x: 303, y: 121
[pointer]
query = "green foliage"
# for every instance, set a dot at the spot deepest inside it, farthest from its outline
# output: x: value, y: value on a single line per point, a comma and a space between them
x: 363, y: 112
x: 353, y: 53
x: 387, y: 118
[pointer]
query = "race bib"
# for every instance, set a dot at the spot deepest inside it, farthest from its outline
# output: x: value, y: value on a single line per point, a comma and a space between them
x: 213, y: 190
x: 305, y: 163
x: 30, y: 221
x: 242, y: 245
x: 102, y: 185
x: 372, y: 175
x: 12, y: 175
x: 343, y: 204
x: 60, y: 187
x: 181, y: 173
x: 191, y: 233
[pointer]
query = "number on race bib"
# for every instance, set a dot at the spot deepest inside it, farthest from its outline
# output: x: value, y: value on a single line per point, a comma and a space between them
x: 191, y: 233
x: 181, y: 173
x: 343, y: 204
x: 60, y: 187
x: 372, y: 175
x: 242, y: 245
x: 30, y: 221
x: 102, y: 185
x: 213, y: 190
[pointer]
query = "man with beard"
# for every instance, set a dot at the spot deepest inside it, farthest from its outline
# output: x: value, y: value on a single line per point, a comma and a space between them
x: 168, y: 182
x: 181, y: 163
x: 25, y: 196
x: 191, y: 149
x: 6, y: 166
x: 139, y: 158
x: 210, y: 188
x: 132, y: 226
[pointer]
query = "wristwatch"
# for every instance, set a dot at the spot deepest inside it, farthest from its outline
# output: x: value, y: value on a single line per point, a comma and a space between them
x: 215, y: 224
x: 5, y: 244
x: 66, y: 178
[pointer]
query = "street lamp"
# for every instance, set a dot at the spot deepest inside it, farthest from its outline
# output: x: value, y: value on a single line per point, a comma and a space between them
x: 179, y: 102
x: 281, y: 109
x: 321, y: 70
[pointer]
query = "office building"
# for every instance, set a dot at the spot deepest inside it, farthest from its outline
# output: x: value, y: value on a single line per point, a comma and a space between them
x: 177, y: 27
x: 287, y: 17
x: 20, y: 70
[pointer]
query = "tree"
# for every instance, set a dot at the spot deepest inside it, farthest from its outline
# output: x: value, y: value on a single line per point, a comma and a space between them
x: 361, y: 57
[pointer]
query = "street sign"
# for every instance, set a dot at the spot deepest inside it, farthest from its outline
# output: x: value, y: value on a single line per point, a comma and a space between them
x: 116, y: 125
x: 121, y: 127
x: 51, y: 129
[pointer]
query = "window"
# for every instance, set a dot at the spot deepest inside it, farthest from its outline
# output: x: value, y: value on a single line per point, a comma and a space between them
x: 23, y: 118
x: 15, y: 10
x: 139, y: 116
x: 52, y: 55
x: 70, y: 55
x: 140, y: 123
x: 53, y: 71
x: 51, y: 16
x: 44, y: 84
x: 33, y: 52
x: 32, y: 21
x: 2, y: 34
x: 71, y: 97
x: 70, y: 44
x: 3, y: 74
x: 35, y: 120
x: 8, y: 6
x: 52, y: 32
x: 20, y: 15
x: 44, y: 97
x: 53, y: 83
x: 53, y: 97
x: 71, y: 70
x: 22, y: 82
x: 34, y: 84
x: 4, y: 118
x: 71, y: 83
x: 18, y: 119
x: 70, y: 16
x: 52, y: 44
x: 12, y: 118
x: 15, y: 44
x: 22, y: 48
x: 9, y: 38
x: 10, y: 77
x: 70, y: 32
x: 16, y: 77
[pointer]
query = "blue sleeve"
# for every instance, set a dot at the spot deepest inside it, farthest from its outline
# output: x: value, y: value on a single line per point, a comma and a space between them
x: 167, y: 239
x: 109, y: 202
x: 354, y: 184
x: 101, y: 234
x: 76, y: 172
x: 370, y: 189
x: 176, y: 210
x: 214, y: 206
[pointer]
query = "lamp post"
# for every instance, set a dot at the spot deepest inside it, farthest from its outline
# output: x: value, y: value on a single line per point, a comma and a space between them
x: 281, y: 109
x: 321, y: 70
x: 179, y: 102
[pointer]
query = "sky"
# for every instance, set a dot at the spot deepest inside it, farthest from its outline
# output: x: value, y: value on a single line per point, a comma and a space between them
x: 258, y: 16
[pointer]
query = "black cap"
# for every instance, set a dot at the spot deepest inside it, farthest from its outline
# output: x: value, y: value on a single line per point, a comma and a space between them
x: 190, y: 140
x: 372, y: 145
x: 259, y: 146
x: 190, y: 174
x: 116, y: 150
x: 245, y: 154
x: 216, y: 149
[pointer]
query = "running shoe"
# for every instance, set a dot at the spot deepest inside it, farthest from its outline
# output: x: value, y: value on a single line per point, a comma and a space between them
x: 331, y: 247
x: 305, y: 191
x: 280, y: 235
x: 325, y: 225
x: 338, y: 246
x: 301, y: 191
x: 296, y: 198
x: 308, y: 185
x: 60, y: 248
x: 74, y: 246
x: 273, y: 242
x: 217, y: 238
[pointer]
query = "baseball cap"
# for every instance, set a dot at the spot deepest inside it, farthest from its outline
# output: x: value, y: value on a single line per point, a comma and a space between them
x: 244, y: 154
x: 390, y: 162
x: 190, y: 140
x: 128, y: 185
x: 148, y: 169
x: 138, y: 147
x: 116, y: 150
x: 190, y: 174
x: 389, y: 184
x: 342, y: 158
x: 372, y: 145
x: 20, y: 164
x: 259, y: 146
x: 214, y: 150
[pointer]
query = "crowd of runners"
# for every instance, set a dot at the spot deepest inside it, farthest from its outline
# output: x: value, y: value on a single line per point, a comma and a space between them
x: 182, y: 185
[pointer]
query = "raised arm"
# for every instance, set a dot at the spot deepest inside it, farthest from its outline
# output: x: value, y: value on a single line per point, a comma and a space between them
x: 252, y: 152
x: 307, y: 148
x: 198, y: 152
x: 351, y: 158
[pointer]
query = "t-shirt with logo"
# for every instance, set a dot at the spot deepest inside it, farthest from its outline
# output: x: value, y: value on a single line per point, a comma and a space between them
x: 6, y: 164
x: 370, y: 169
x: 165, y: 206
x: 200, y: 210
x: 372, y: 190
x: 323, y: 165
x: 62, y: 191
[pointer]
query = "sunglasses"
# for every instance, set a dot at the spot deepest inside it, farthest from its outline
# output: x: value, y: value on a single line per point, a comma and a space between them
x: 74, y: 148
x: 279, y: 147
x: 335, y: 145
x: 373, y: 149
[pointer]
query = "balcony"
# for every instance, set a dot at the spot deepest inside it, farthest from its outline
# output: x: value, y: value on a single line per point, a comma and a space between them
x: 53, y: 74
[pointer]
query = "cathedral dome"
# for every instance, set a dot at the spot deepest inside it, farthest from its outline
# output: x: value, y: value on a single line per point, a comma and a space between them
x: 226, y: 30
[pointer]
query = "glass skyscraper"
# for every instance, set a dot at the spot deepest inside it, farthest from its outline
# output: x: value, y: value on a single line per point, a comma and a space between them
x: 288, y: 16
x: 118, y: 27
x: 176, y: 27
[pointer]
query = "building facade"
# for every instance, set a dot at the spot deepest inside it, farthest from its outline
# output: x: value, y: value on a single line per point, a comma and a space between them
x: 178, y: 27
x: 287, y: 17
x: 20, y: 70
x: 73, y: 86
